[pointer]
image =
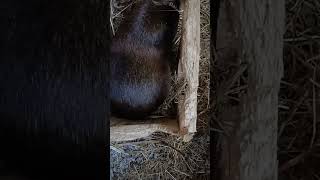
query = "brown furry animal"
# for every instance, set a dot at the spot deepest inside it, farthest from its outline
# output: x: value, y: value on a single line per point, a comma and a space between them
x: 141, y: 53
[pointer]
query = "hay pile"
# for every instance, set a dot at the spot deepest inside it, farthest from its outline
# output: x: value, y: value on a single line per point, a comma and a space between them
x: 162, y: 156
x: 299, y: 101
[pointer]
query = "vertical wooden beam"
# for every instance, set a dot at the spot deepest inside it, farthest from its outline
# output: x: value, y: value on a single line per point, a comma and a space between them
x: 262, y: 29
x: 189, y: 66
x: 251, y: 32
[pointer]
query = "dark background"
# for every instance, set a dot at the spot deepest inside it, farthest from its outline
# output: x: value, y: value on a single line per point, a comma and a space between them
x: 54, y: 84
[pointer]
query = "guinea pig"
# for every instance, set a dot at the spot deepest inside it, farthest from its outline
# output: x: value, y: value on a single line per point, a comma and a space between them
x: 141, y: 54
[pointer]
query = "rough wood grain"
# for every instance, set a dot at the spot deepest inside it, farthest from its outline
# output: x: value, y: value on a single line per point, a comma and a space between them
x: 253, y: 31
x: 124, y: 130
x: 262, y: 29
x: 188, y: 68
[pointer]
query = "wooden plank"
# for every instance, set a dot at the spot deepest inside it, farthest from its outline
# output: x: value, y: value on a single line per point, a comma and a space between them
x: 188, y: 68
x: 125, y: 130
x: 251, y: 32
x: 262, y: 32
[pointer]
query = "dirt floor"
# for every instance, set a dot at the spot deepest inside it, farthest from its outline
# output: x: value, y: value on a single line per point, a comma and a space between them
x: 162, y: 156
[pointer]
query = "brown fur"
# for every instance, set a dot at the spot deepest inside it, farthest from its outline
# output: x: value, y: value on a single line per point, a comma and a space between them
x: 141, y: 53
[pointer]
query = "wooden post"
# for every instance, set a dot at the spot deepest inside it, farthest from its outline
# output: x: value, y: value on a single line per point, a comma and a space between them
x: 188, y: 68
x: 251, y: 32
